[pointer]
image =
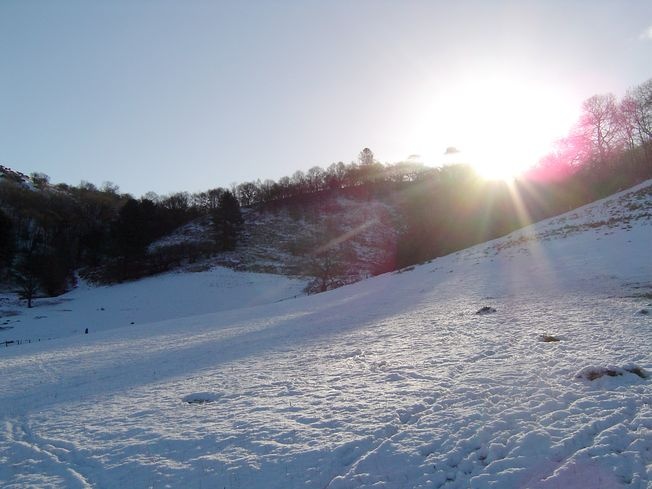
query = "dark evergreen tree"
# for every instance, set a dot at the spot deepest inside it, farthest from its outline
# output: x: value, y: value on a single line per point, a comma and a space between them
x: 6, y: 241
x: 227, y: 222
x: 133, y: 229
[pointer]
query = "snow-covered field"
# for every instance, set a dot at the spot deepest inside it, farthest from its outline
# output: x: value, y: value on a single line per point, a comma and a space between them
x: 168, y: 296
x: 393, y: 382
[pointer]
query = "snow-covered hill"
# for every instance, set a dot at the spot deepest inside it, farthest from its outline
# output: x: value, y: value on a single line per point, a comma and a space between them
x: 15, y: 176
x: 128, y: 305
x: 280, y: 237
x: 392, y: 382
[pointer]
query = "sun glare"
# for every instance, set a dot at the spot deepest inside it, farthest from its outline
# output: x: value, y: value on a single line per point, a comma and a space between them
x: 500, y: 126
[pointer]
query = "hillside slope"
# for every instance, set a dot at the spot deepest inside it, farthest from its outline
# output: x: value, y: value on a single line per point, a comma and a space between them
x: 282, y: 238
x: 128, y: 305
x: 392, y: 382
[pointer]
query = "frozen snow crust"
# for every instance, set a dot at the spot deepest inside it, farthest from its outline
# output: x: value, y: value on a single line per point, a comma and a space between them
x: 394, y: 382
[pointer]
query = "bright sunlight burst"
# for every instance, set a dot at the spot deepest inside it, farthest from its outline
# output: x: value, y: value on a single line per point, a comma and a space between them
x: 501, y: 126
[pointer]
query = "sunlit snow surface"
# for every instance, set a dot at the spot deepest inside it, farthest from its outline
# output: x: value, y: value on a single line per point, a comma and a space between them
x: 394, y: 382
x: 167, y: 296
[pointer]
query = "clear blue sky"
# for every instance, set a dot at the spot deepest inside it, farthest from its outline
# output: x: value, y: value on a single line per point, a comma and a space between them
x: 189, y: 95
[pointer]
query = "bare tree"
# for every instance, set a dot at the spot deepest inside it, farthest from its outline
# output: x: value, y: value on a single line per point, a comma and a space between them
x: 315, y: 178
x: 110, y: 188
x: 366, y: 157
x: 327, y: 269
x: 153, y: 196
x: 26, y: 276
x: 636, y: 113
x: 247, y: 193
x: 600, y: 126
x: 40, y: 180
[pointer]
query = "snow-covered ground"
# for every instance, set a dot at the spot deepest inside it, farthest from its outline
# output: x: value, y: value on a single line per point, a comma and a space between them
x: 393, y: 382
x: 167, y: 296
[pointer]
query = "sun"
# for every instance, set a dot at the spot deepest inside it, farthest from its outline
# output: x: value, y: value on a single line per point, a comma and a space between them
x: 490, y: 165
x: 500, y: 125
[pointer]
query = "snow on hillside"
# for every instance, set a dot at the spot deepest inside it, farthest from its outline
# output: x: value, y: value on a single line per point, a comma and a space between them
x: 394, y: 382
x: 15, y: 176
x: 168, y: 296
x: 276, y: 238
